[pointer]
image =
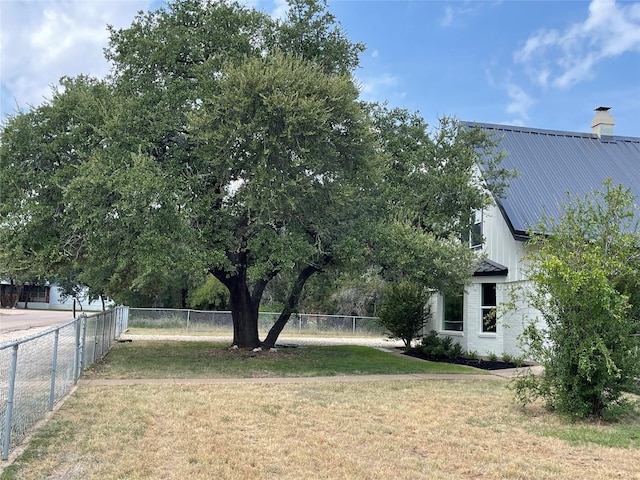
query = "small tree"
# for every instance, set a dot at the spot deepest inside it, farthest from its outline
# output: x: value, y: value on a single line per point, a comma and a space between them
x: 405, y: 311
x: 580, y: 269
x: 211, y: 295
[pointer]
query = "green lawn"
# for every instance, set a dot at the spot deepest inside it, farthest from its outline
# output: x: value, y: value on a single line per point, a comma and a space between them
x: 177, y: 359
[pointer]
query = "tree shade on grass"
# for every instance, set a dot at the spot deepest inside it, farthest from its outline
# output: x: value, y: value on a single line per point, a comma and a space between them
x: 178, y: 359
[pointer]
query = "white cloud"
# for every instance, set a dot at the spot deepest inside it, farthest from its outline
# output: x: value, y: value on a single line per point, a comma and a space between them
x: 452, y: 15
x: 447, y: 20
x: 45, y: 40
x: 520, y: 101
x: 375, y: 88
x: 516, y: 122
x: 542, y: 76
x: 564, y: 58
x: 536, y: 44
x: 281, y: 9
x: 463, y: 9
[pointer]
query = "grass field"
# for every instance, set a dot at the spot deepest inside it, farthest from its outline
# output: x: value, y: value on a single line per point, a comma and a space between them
x: 367, y: 430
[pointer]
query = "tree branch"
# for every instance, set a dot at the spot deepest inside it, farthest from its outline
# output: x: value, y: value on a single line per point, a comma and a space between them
x: 292, y: 302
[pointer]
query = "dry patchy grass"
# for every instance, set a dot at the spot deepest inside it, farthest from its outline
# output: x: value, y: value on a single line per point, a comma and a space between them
x: 372, y: 430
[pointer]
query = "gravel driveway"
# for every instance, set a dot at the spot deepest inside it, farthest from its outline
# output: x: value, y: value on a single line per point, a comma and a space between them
x: 282, y: 341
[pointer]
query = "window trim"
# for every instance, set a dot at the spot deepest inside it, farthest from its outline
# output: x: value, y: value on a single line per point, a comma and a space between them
x: 476, y: 237
x: 488, y: 307
x: 443, y: 319
x: 35, y: 294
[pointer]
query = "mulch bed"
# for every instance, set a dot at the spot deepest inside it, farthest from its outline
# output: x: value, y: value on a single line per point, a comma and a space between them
x: 477, y: 363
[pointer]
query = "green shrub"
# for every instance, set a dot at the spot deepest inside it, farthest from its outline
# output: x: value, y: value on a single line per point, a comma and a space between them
x: 404, y: 312
x: 446, y: 343
x: 585, y: 272
x: 438, y: 351
x: 431, y: 339
x: 439, y: 347
x: 455, y: 351
x: 472, y: 355
x: 507, y: 357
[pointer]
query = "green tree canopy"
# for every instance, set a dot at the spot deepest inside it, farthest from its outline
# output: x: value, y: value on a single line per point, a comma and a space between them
x: 230, y: 144
x: 429, y: 187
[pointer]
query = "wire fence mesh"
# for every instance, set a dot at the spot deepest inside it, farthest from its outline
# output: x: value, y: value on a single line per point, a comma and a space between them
x: 37, y: 371
x: 221, y: 323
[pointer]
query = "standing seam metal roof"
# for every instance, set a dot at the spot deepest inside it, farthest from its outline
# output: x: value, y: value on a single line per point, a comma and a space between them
x: 551, y: 164
x: 489, y: 268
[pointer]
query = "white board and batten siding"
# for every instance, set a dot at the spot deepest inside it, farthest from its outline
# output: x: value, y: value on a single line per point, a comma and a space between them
x: 499, y: 246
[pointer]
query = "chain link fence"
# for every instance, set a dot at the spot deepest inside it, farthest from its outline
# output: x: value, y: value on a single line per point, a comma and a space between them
x: 37, y: 371
x: 221, y: 323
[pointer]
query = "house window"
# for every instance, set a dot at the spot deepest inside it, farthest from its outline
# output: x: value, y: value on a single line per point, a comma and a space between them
x: 475, y: 237
x: 35, y: 293
x: 452, y: 319
x: 489, y: 303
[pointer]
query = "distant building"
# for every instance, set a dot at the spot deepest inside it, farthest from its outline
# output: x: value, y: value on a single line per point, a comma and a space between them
x: 43, y: 297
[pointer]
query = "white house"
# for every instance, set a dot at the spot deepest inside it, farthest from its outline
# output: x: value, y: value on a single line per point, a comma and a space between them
x: 549, y: 164
x: 43, y: 297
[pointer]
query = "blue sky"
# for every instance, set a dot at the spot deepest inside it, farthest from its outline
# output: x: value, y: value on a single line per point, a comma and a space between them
x: 542, y: 64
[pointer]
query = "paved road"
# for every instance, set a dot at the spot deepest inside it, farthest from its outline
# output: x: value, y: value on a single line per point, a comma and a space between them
x: 18, y: 323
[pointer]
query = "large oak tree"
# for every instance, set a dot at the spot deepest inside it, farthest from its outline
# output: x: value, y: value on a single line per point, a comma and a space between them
x: 230, y: 144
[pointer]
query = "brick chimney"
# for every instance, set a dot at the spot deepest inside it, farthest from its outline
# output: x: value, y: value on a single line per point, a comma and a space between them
x: 602, y: 124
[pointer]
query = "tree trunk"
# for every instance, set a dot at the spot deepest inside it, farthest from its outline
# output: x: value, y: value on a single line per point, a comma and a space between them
x: 14, y: 294
x: 290, y: 306
x: 183, y: 297
x: 244, y: 311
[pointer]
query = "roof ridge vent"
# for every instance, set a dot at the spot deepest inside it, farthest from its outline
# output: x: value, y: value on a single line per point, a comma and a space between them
x: 602, y: 124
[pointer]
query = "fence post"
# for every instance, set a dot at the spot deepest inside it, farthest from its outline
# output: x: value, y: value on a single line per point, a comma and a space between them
x: 188, y: 316
x: 121, y: 324
x: 95, y: 342
x: 111, y: 329
x: 125, y: 318
x: 76, y: 357
x: 9, y: 411
x: 299, y: 322
x: 83, y: 344
x: 117, y: 324
x: 54, y: 366
x: 104, y: 321
x: 81, y: 334
x: 354, y: 325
